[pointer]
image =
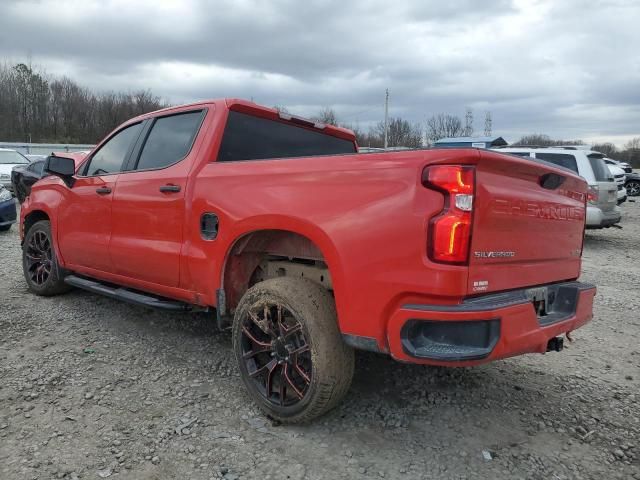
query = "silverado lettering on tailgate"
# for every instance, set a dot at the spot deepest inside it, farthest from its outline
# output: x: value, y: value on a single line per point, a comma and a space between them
x: 528, y: 208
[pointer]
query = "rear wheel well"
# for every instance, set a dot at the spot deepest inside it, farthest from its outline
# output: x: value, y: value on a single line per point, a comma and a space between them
x: 32, y: 218
x: 266, y: 254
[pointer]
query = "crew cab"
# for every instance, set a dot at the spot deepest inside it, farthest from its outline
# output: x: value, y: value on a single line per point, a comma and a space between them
x: 307, y: 249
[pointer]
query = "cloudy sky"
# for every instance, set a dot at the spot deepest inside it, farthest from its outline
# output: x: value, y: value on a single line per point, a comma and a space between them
x: 568, y: 68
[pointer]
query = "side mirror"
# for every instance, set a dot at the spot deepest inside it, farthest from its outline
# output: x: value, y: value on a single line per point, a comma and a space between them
x: 62, y: 167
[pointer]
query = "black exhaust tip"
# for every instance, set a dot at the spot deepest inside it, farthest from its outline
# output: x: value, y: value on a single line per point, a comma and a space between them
x: 556, y: 344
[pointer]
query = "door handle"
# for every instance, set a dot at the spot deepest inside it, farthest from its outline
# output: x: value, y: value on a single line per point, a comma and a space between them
x: 170, y: 188
x: 103, y: 190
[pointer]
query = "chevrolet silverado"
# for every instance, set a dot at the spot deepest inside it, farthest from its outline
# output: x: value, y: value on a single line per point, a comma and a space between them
x: 308, y: 250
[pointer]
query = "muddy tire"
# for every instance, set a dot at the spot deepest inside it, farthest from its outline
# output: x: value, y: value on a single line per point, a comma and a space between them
x: 289, y: 349
x: 39, y: 264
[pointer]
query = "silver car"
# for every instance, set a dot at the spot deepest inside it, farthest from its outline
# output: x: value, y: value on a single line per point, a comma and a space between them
x: 8, y: 160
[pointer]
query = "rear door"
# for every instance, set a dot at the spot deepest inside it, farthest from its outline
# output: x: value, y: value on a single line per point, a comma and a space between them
x: 149, y: 200
x: 528, y: 224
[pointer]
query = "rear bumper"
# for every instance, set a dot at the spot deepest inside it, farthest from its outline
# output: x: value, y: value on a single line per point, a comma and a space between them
x: 596, y: 218
x: 490, y: 327
x: 7, y: 212
x: 622, y: 194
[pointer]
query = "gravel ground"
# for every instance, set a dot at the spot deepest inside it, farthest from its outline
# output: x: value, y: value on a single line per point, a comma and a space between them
x: 91, y: 388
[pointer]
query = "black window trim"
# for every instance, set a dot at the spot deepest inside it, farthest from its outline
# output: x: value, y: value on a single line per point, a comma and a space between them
x: 87, y: 162
x: 131, y: 165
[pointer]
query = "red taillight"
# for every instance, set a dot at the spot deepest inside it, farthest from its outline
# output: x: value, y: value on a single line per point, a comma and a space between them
x: 593, y: 194
x: 450, y: 231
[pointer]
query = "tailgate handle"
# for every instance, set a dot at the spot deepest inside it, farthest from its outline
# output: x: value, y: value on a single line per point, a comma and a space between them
x: 551, y: 181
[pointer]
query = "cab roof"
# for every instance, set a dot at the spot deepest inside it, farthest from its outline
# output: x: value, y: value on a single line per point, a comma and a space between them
x: 251, y: 108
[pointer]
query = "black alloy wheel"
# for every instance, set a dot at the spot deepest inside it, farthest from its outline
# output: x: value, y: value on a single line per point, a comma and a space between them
x: 38, y: 256
x: 276, y: 354
x: 633, y: 188
x: 289, y: 349
x: 39, y: 264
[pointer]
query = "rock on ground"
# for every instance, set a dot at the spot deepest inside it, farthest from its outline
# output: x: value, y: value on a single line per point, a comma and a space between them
x: 91, y: 388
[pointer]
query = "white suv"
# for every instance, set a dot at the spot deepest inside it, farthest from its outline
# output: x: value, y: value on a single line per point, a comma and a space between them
x: 602, y: 201
x: 620, y: 178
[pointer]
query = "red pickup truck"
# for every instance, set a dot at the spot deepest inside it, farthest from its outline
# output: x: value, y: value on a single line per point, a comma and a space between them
x: 308, y: 250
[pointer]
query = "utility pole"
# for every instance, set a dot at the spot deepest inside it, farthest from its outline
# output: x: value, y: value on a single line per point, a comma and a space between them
x: 386, y: 119
x: 487, y: 124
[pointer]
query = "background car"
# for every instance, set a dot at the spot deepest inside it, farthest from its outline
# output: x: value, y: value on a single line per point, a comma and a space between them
x: 633, y: 184
x: 620, y: 179
x: 9, y: 159
x: 623, y: 165
x: 603, y: 199
x: 7, y: 209
x: 24, y: 176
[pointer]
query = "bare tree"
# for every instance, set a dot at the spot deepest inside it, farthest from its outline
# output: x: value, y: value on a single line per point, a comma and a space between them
x: 607, y: 148
x: 401, y: 133
x: 542, y: 140
x: 327, y: 116
x: 633, y: 144
x: 444, y: 125
x: 36, y: 107
x: 631, y: 152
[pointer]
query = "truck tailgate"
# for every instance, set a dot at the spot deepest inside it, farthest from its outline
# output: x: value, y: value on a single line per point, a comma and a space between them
x: 528, y: 224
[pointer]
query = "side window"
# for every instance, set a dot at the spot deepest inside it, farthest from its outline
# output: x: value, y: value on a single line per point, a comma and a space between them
x: 36, y: 167
x: 520, y: 154
x: 561, y: 159
x: 600, y: 170
x: 111, y: 156
x: 169, y: 140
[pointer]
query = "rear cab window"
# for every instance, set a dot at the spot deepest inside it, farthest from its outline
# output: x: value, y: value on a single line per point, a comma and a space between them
x: 564, y: 160
x: 247, y: 137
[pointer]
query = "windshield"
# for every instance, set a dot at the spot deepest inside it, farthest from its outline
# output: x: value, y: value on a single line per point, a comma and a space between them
x: 600, y: 170
x: 10, y: 157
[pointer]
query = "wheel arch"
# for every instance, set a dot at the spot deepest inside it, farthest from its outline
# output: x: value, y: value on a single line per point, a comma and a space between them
x: 32, y: 218
x: 295, y: 240
x: 35, y: 214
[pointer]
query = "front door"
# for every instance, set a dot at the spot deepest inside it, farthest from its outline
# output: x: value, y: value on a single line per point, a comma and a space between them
x: 149, y: 201
x: 84, y: 215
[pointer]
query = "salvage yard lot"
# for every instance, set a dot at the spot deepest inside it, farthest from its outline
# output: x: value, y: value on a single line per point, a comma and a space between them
x: 93, y: 388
